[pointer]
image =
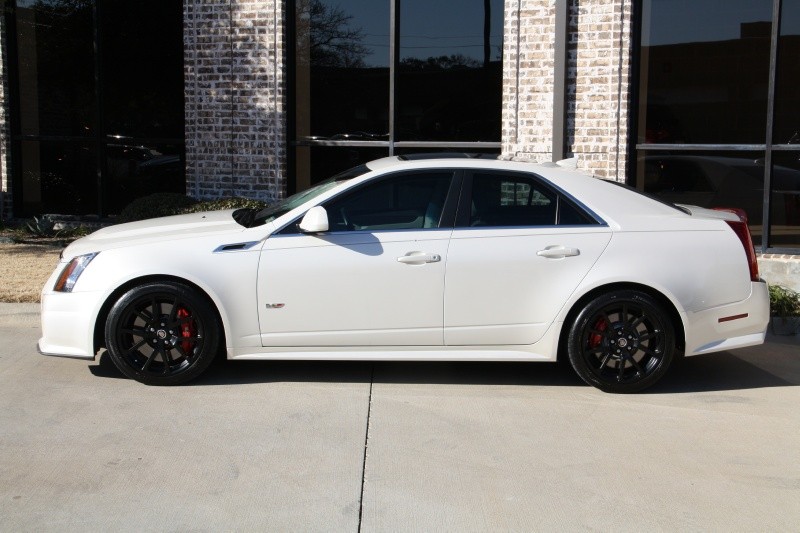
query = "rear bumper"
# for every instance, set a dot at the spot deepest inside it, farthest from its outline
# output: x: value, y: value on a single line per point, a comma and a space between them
x: 729, y: 326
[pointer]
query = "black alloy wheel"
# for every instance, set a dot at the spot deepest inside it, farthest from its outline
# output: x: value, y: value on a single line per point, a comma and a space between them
x: 622, y: 342
x: 162, y: 333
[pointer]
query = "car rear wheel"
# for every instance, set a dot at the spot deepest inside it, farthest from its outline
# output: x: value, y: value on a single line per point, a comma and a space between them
x: 162, y: 333
x: 622, y: 341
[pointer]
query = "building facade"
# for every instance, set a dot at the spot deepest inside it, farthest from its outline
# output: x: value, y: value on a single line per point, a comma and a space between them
x: 693, y: 101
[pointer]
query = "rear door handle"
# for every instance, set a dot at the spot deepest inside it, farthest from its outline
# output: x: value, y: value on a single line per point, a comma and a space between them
x: 558, y: 252
x: 419, y: 258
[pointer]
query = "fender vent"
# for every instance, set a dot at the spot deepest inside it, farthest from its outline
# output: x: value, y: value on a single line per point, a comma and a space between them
x: 235, y: 247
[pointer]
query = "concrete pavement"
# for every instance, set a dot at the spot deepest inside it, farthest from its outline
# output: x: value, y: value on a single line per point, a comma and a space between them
x: 280, y: 446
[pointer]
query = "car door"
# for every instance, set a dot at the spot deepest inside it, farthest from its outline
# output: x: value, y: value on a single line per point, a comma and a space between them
x: 376, y: 278
x: 519, y: 250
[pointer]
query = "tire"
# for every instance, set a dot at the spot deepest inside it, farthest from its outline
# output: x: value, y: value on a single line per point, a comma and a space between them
x: 162, y: 333
x: 621, y: 342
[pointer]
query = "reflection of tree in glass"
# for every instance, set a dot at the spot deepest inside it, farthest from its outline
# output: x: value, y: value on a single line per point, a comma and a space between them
x: 453, y: 61
x: 327, y: 29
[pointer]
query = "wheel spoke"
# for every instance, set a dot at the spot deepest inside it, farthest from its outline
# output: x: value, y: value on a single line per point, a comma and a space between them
x: 635, y: 322
x: 135, y: 347
x: 139, y: 332
x: 178, y: 348
x: 166, y: 359
x: 651, y: 353
x: 621, y: 366
x: 647, y: 336
x: 150, y: 358
x: 636, y: 365
x: 144, y: 315
x: 604, y: 362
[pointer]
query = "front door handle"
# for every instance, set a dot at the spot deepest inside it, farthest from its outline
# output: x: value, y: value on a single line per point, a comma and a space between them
x: 558, y: 252
x: 419, y: 258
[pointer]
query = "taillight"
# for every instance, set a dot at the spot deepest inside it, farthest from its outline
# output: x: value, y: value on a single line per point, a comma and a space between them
x: 743, y: 232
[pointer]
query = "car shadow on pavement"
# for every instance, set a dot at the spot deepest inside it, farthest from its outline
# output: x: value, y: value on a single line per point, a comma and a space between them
x: 722, y: 371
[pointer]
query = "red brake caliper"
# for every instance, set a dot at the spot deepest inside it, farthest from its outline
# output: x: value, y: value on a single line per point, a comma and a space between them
x: 188, y: 330
x: 595, y: 338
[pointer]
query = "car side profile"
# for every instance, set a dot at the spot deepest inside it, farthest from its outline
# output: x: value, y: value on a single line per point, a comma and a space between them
x: 452, y: 258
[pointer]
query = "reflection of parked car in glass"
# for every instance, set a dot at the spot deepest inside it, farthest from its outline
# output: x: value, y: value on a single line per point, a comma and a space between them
x: 137, y: 170
x: 717, y: 180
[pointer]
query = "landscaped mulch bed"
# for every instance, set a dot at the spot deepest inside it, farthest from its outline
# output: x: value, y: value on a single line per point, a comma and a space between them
x: 24, y: 268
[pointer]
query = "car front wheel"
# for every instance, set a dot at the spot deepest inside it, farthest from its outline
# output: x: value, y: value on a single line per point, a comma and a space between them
x: 621, y: 341
x: 162, y: 333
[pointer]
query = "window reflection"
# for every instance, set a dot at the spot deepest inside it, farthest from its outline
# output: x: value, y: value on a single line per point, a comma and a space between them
x: 704, y: 71
x: 142, y: 65
x: 67, y: 124
x: 342, y: 70
x: 58, y: 177
x: 785, y: 200
x: 787, y: 90
x: 707, y: 179
x: 450, y: 75
x: 56, y: 71
x: 135, y: 170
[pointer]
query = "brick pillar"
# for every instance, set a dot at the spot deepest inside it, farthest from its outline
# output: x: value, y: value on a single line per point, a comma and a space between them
x: 598, y: 82
x: 235, y: 108
x: 528, y: 79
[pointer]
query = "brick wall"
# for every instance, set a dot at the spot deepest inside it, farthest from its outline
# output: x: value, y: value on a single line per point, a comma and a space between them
x: 235, y: 100
x: 598, y: 82
x: 5, y: 179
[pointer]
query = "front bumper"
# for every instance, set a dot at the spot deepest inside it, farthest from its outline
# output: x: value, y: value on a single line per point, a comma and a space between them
x: 730, y: 326
x: 68, y: 321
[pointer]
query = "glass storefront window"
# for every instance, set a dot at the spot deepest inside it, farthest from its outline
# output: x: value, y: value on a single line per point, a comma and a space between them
x: 450, y: 75
x: 704, y: 71
x: 787, y: 90
x: 56, y: 72
x: 57, y: 177
x: 705, y: 86
x: 706, y: 179
x: 326, y: 161
x: 97, y: 103
x: 342, y: 70
x: 134, y: 170
x: 142, y: 65
x: 785, y: 200
x: 367, y: 79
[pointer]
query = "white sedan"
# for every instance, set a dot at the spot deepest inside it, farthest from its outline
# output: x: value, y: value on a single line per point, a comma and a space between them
x: 417, y: 258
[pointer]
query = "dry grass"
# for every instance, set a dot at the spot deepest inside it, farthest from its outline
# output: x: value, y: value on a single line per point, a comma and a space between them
x: 24, y: 268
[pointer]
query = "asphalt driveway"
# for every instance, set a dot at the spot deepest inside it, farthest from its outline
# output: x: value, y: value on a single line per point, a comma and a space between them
x: 278, y: 446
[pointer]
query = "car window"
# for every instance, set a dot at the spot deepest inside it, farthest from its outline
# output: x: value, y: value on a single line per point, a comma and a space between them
x: 405, y: 201
x: 503, y: 200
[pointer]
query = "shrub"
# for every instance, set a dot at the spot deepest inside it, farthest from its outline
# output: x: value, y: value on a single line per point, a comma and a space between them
x: 42, y: 226
x: 156, y: 205
x: 166, y: 204
x: 234, y: 202
x: 783, y: 302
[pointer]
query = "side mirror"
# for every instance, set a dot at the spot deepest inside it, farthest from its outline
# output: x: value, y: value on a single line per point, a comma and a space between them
x: 315, y: 220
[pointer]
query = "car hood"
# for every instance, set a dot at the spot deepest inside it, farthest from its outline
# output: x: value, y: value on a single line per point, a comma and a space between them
x: 156, y: 230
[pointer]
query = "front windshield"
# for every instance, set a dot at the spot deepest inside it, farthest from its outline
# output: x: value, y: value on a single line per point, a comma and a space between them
x: 268, y: 214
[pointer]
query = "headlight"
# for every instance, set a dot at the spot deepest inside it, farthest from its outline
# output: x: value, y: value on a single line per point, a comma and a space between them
x: 69, y: 276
